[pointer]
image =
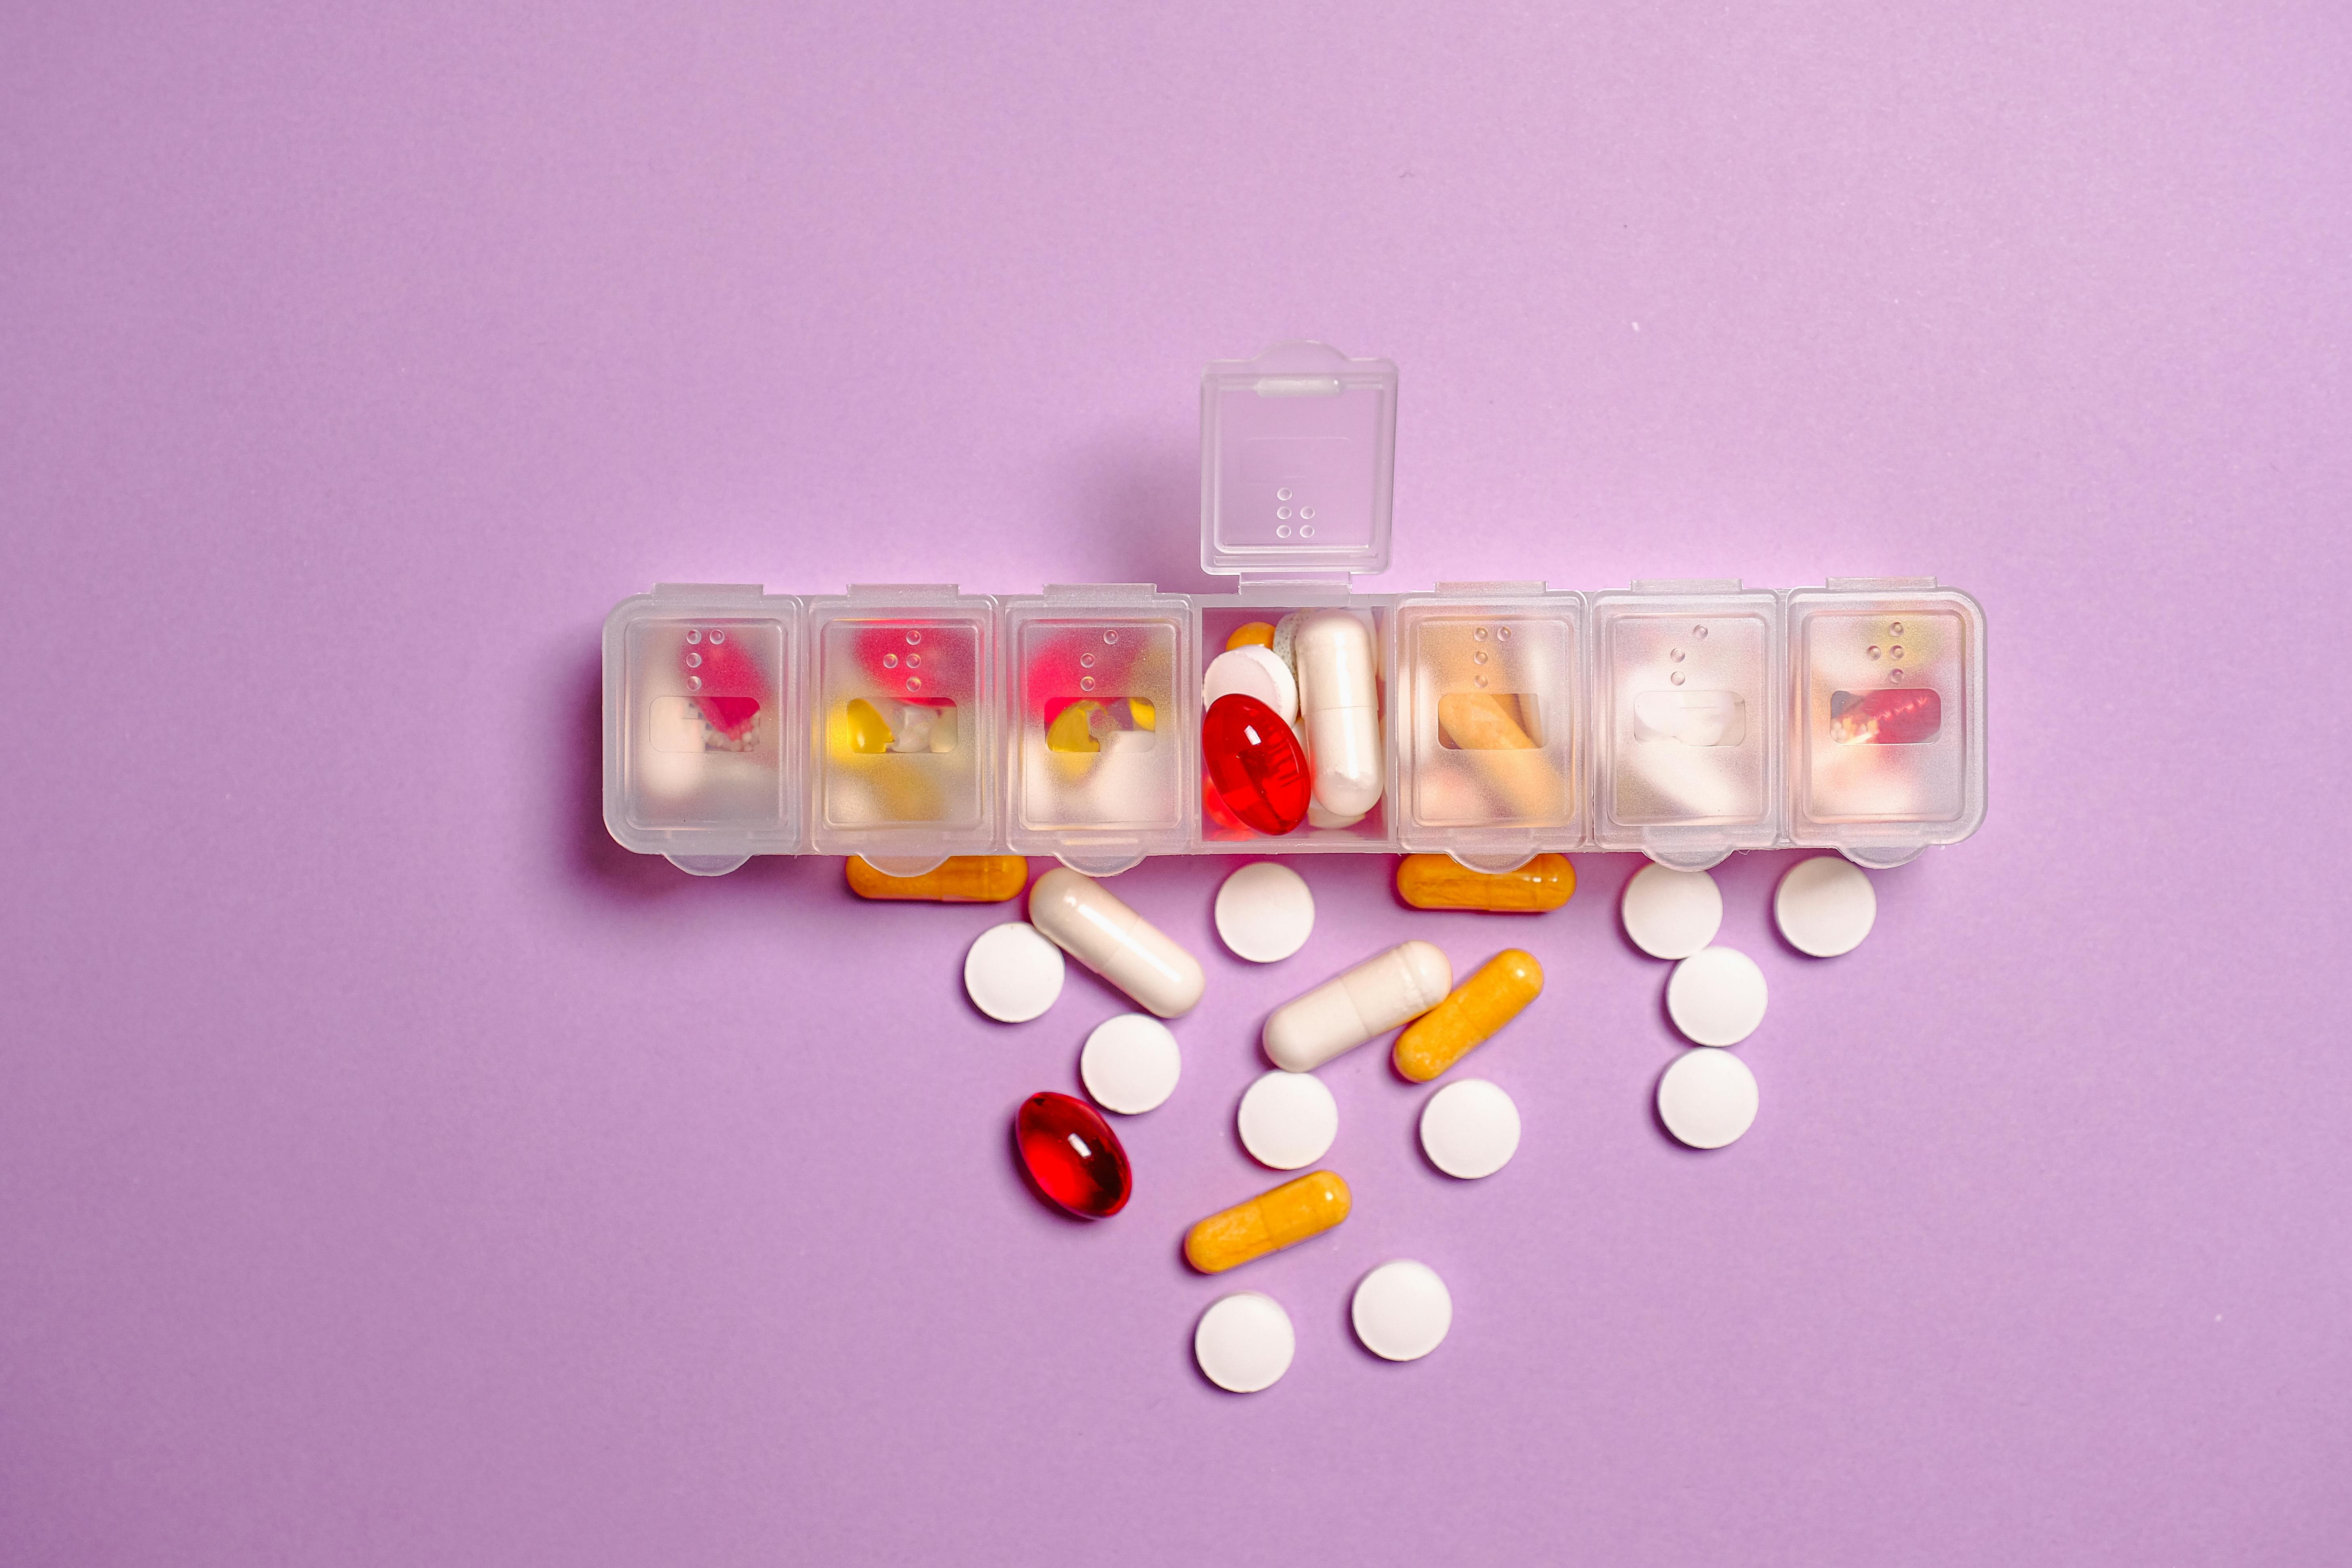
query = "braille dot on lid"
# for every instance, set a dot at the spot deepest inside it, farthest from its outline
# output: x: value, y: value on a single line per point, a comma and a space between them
x: 1478, y: 658
x: 1895, y: 652
x: 1282, y: 511
x: 1676, y: 654
x: 913, y: 659
x: 1897, y: 628
x: 914, y: 637
x: 1086, y: 661
x: 889, y: 661
x: 1676, y: 678
x: 1477, y: 680
x: 694, y: 683
x: 1699, y: 632
x: 1306, y: 511
x: 1086, y: 683
x: 1282, y: 533
x: 1871, y: 650
x: 1307, y: 531
x: 694, y: 636
x: 1281, y: 495
x: 1478, y: 634
x: 1110, y: 636
x: 694, y: 661
x: 1502, y: 634
x: 914, y: 683
x: 1896, y: 675
x: 717, y: 636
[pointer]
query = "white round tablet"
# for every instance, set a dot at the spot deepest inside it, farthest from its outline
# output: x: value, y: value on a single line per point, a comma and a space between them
x: 1825, y: 906
x: 1129, y: 1064
x: 1264, y: 912
x: 1470, y: 1129
x: 1013, y: 973
x: 1245, y: 1341
x: 1708, y: 1098
x: 1716, y: 996
x: 1670, y: 913
x: 1401, y: 1311
x: 1253, y: 671
x: 1289, y: 1119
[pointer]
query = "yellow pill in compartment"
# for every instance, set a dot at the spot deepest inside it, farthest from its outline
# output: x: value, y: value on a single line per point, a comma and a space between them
x: 1441, y: 882
x: 1269, y: 1222
x: 957, y: 879
x: 1478, y: 1007
x: 1257, y: 634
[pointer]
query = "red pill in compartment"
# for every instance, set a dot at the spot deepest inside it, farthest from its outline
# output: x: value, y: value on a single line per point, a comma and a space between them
x: 1072, y: 1155
x: 1256, y: 764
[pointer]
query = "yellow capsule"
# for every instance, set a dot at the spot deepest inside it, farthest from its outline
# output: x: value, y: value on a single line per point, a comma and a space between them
x: 1267, y: 1223
x: 1260, y: 632
x: 1441, y: 882
x: 957, y: 879
x: 1481, y: 1005
x: 1481, y: 721
x: 867, y: 729
x: 1146, y: 716
x: 1072, y: 728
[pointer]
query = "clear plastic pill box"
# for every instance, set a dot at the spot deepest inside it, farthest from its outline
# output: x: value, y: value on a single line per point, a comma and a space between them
x: 1682, y: 719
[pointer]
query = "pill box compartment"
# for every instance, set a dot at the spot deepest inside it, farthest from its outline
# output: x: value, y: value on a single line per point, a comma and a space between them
x: 1103, y: 760
x: 1688, y: 694
x: 1221, y: 831
x: 1485, y: 685
x: 701, y: 724
x: 1886, y: 746
x: 903, y: 725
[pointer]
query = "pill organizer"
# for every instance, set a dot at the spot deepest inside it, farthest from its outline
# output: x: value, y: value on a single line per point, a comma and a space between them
x: 905, y: 724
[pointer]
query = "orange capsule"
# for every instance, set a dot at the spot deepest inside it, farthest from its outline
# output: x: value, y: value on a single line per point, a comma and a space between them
x: 957, y: 879
x: 1257, y: 634
x: 1441, y: 882
x: 1267, y: 1223
x: 1481, y: 1005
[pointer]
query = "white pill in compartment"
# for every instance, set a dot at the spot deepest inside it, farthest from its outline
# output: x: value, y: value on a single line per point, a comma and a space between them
x: 1252, y: 671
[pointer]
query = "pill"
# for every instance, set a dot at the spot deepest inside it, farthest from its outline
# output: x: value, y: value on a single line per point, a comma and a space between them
x: 1670, y: 913
x: 1442, y: 882
x: 1264, y: 912
x: 1255, y: 766
x: 1706, y: 1097
x: 1346, y: 1010
x: 1470, y: 1129
x: 1338, y: 698
x: 1317, y: 817
x: 957, y: 879
x: 1090, y: 924
x: 1287, y: 1120
x: 1482, y: 721
x: 1495, y: 994
x: 1825, y: 906
x: 1716, y: 996
x: 1072, y: 1155
x: 1130, y: 1064
x: 1273, y: 1220
x: 1011, y: 972
x: 1245, y: 1343
x: 1259, y: 634
x: 1252, y: 671
x: 1401, y: 1311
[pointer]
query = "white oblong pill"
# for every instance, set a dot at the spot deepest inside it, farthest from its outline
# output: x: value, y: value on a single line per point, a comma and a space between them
x: 1252, y: 671
x: 1706, y: 1097
x: 1264, y: 912
x: 1384, y: 991
x: 1287, y: 1120
x: 1245, y: 1341
x: 1401, y: 1311
x: 1088, y: 922
x: 1011, y: 972
x: 1825, y: 906
x: 1130, y: 1064
x: 1670, y: 913
x: 1716, y: 996
x: 1470, y: 1129
x: 1338, y: 699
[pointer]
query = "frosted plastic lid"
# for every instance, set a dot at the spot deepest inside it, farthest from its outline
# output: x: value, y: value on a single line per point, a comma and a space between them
x: 1298, y: 458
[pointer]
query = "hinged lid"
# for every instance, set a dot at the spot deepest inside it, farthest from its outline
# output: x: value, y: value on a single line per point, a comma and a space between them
x: 1297, y: 459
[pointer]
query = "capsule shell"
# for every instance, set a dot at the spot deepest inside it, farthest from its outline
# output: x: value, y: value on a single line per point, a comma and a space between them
x: 1441, y: 882
x: 1085, y: 919
x: 1367, y: 1001
x: 1267, y: 1223
x: 957, y: 879
x: 1489, y: 999
x: 1339, y: 709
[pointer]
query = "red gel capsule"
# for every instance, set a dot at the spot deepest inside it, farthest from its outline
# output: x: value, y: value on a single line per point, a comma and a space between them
x: 1073, y: 1155
x: 1256, y: 764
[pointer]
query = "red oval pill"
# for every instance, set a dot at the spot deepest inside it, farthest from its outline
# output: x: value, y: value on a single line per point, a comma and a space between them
x: 1073, y: 1155
x: 1256, y: 764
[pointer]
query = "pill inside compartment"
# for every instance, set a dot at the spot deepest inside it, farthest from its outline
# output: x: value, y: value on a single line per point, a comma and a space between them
x: 704, y: 720
x: 1881, y: 729
x: 1365, y: 759
x: 900, y: 724
x: 1493, y: 737
x: 1099, y: 708
x: 1688, y: 716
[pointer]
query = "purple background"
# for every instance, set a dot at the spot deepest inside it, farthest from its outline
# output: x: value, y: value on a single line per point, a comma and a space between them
x: 392, y: 1170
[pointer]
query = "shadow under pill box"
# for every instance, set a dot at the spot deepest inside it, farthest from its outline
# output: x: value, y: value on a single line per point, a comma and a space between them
x: 1490, y: 721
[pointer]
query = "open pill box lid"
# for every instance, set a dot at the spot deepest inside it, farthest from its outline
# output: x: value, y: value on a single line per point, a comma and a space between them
x: 911, y: 723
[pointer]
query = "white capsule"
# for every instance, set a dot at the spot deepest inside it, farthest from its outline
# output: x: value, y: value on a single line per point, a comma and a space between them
x: 1366, y: 1002
x: 1339, y: 698
x: 1085, y: 921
